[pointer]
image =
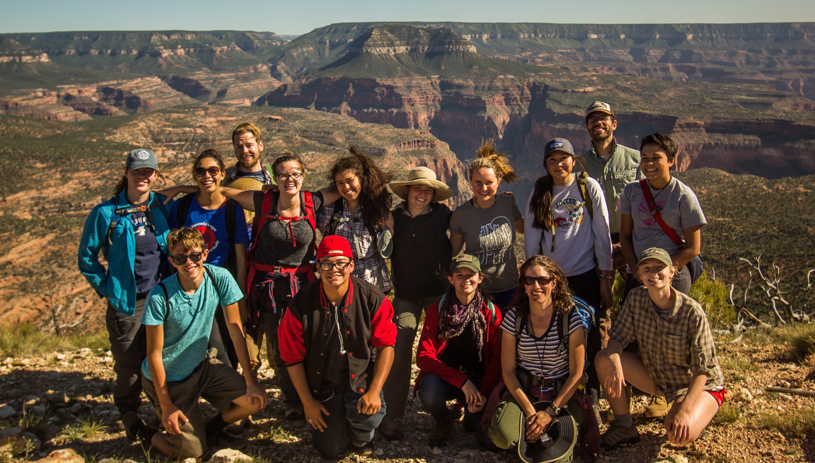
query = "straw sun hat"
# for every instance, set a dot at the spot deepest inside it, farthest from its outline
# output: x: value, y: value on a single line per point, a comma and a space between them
x: 422, y: 176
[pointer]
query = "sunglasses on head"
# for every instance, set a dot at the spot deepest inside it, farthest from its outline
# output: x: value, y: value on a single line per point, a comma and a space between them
x: 542, y: 281
x: 212, y: 171
x: 182, y: 258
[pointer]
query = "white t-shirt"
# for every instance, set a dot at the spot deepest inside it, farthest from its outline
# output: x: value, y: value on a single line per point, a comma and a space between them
x: 680, y: 209
x: 578, y: 236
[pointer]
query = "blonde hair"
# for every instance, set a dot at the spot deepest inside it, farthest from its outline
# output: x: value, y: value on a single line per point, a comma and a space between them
x: 189, y: 237
x: 244, y: 128
x: 490, y: 158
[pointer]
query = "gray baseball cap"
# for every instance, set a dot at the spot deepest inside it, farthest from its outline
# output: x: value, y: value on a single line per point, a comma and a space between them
x: 141, y: 158
x: 557, y: 144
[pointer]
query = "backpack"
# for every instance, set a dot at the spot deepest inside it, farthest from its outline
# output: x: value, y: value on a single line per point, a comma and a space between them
x: 582, y: 180
x: 231, y: 225
x: 269, y: 209
x: 123, y: 212
x: 167, y: 297
x: 584, y: 309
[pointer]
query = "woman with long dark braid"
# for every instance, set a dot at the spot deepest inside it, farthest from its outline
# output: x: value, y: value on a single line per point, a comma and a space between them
x: 460, y: 352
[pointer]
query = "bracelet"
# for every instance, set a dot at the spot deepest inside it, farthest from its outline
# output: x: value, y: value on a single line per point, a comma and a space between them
x: 546, y: 410
x: 604, y: 277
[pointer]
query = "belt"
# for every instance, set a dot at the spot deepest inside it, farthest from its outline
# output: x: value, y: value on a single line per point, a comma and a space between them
x: 537, y: 381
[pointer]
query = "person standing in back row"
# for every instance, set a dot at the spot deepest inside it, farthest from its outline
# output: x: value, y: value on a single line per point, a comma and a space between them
x: 613, y: 165
x: 246, y: 139
x: 421, y: 253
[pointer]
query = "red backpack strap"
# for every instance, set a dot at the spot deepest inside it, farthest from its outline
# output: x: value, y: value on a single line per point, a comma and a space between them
x: 308, y: 203
x: 646, y: 192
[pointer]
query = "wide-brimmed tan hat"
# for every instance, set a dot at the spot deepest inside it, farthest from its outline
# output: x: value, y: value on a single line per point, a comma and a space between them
x: 245, y: 183
x: 422, y: 176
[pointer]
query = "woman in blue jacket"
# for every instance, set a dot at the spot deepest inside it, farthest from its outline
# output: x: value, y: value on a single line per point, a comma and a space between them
x: 130, y: 229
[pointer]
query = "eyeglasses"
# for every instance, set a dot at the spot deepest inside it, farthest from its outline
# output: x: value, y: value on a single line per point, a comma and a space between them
x: 284, y: 177
x: 348, y: 181
x: 182, y: 259
x: 212, y: 171
x: 542, y: 281
x: 325, y: 266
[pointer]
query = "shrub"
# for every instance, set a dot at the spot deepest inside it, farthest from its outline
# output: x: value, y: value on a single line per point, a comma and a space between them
x: 713, y: 296
x: 801, y: 341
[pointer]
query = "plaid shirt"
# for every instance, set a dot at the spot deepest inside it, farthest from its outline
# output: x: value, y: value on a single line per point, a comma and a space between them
x: 368, y: 263
x: 672, y: 344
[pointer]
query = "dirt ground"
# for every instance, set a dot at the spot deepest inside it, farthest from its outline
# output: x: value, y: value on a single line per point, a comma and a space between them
x: 65, y: 397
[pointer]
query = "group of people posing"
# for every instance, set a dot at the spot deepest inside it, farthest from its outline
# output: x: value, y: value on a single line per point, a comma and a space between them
x: 193, y: 289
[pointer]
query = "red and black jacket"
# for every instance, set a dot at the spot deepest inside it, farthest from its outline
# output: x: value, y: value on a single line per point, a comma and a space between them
x: 368, y: 321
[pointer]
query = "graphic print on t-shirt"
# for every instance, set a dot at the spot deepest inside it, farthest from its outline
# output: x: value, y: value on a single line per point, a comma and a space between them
x: 139, y: 224
x: 210, y: 235
x: 495, y: 238
x: 568, y: 212
x: 644, y: 213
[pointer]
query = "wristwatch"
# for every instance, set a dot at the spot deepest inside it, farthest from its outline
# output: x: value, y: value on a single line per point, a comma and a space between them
x: 555, y: 409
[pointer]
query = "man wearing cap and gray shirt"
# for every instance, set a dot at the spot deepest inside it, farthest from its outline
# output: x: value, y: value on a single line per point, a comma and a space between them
x: 420, y: 222
x: 614, y: 166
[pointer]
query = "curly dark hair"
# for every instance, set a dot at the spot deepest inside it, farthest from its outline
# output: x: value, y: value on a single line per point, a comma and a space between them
x: 375, y: 198
x: 561, y: 294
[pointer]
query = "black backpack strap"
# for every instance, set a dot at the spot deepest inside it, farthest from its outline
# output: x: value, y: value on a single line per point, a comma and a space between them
x: 336, y: 215
x: 183, y: 208
x: 113, y: 221
x: 231, y: 222
x: 565, y: 318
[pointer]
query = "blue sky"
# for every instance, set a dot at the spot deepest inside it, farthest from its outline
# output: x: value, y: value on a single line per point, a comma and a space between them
x: 295, y: 17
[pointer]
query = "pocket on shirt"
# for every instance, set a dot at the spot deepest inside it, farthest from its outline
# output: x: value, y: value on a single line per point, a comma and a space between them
x: 676, y: 349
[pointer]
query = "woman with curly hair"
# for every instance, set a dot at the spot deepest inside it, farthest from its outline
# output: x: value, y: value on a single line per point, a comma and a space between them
x: 459, y: 353
x: 488, y: 222
x: 361, y: 215
x: 546, y: 371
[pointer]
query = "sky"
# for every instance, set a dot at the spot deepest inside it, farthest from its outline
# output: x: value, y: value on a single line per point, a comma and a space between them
x: 297, y: 17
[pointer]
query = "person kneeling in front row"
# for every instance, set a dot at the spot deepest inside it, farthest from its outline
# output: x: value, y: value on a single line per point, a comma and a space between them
x: 178, y: 370
x: 327, y: 338
x: 677, y: 356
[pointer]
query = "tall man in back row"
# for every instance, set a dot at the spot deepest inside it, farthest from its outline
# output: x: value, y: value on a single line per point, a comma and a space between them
x: 613, y: 166
x: 248, y: 145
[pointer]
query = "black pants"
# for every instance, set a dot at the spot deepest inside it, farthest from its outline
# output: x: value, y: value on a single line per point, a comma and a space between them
x: 128, y: 344
x: 587, y: 287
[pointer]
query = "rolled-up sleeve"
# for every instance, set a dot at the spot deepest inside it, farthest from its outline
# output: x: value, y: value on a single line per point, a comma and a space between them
x: 702, y: 347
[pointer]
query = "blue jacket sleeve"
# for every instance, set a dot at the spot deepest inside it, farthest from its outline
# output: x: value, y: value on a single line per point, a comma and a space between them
x: 93, y: 241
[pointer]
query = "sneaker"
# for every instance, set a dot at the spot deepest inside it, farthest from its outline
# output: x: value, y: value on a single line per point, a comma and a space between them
x: 617, y: 434
x: 390, y: 431
x: 439, y: 435
x: 657, y: 409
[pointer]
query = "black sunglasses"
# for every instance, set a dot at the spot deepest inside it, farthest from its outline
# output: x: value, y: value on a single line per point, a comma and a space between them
x: 182, y: 259
x: 542, y: 281
x: 325, y: 266
x: 212, y: 171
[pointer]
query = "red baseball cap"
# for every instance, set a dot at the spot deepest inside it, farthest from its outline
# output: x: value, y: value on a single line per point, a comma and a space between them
x: 334, y: 246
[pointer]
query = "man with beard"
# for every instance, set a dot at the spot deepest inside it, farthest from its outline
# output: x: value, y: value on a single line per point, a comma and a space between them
x: 248, y: 146
x: 613, y: 166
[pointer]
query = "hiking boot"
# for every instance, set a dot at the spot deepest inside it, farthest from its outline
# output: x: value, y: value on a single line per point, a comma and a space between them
x: 294, y: 411
x: 367, y: 450
x: 439, y: 435
x: 389, y: 430
x: 617, y: 434
x: 224, y: 440
x: 657, y: 409
x: 136, y: 430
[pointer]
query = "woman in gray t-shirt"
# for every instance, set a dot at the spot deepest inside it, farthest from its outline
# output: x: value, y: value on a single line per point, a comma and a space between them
x: 677, y: 206
x: 487, y: 224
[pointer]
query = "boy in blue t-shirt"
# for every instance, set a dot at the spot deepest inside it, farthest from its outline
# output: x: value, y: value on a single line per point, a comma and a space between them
x: 178, y: 370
